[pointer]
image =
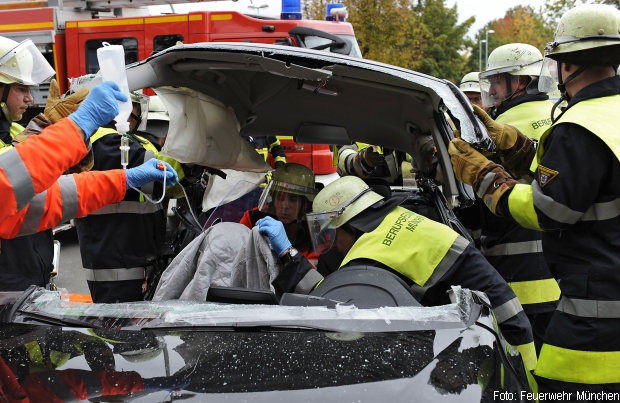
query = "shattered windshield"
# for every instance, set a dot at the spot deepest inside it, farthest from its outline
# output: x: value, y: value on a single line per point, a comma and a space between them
x: 181, y: 313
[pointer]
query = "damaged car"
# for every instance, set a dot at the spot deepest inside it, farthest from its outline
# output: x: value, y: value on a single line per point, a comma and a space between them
x: 364, y: 339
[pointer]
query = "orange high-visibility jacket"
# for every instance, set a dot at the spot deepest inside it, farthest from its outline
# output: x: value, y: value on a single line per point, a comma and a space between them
x: 34, y: 192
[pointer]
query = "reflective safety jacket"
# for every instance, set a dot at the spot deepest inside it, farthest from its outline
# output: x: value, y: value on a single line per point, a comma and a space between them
x: 269, y: 145
x: 35, y: 194
x: 26, y: 260
x: 118, y: 242
x: 514, y: 251
x: 430, y: 257
x: 575, y: 200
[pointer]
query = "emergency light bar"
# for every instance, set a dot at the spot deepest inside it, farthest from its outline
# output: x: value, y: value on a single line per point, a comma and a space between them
x: 291, y: 10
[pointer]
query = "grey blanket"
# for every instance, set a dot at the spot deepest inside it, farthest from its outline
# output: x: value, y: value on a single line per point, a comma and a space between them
x: 227, y: 254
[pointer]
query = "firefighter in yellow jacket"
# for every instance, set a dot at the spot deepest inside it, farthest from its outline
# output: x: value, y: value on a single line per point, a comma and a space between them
x: 573, y: 199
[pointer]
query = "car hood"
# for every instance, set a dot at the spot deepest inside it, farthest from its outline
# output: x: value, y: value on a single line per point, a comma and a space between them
x: 313, y: 96
x: 460, y: 358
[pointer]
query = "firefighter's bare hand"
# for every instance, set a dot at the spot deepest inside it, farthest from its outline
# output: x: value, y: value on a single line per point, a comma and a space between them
x: 57, y: 108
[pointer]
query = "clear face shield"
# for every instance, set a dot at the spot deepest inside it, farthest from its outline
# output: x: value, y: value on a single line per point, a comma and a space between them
x: 496, y: 88
x: 26, y: 65
x: 548, y: 81
x: 144, y: 110
x: 322, y: 226
x: 286, y: 202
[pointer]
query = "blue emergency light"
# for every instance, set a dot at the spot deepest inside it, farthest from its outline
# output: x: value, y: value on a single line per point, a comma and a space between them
x: 339, y: 16
x: 291, y: 10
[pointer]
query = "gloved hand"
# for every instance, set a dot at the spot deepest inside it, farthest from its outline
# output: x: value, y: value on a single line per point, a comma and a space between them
x: 504, y: 136
x: 57, y: 108
x: 492, y: 182
x: 276, y: 233
x: 466, y: 161
x: 149, y: 172
x: 424, y: 146
x: 168, y: 383
x: 99, y: 107
x: 35, y: 126
x: 366, y: 160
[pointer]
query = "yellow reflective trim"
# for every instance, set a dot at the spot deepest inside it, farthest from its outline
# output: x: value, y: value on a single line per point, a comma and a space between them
x: 221, y: 17
x: 16, y: 128
x: 110, y: 22
x: 407, y: 242
x: 34, y: 353
x: 71, y: 25
x: 280, y: 159
x: 528, y: 354
x: 58, y: 358
x: 285, y: 137
x: 536, y: 291
x: 29, y: 26
x: 157, y: 20
x: 586, y: 367
x: 195, y: 17
x: 521, y: 206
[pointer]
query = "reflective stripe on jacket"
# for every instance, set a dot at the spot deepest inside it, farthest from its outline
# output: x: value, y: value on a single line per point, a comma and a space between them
x: 23, y: 175
x: 574, y: 199
x: 514, y: 251
x: 432, y: 257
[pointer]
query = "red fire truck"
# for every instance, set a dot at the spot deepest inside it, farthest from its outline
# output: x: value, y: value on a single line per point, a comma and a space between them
x: 69, y: 34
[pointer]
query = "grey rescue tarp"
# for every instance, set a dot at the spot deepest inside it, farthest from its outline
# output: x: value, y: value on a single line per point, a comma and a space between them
x: 227, y: 254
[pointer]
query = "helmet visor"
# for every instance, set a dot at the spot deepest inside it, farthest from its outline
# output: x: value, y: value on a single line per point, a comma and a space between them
x: 548, y: 81
x: 322, y: 230
x: 144, y: 110
x: 286, y: 201
x: 24, y: 64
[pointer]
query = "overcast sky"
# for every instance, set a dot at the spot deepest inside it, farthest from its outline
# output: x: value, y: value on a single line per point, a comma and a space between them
x: 483, y: 10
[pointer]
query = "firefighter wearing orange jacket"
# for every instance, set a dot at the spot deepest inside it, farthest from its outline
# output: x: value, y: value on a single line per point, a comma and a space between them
x: 37, y: 196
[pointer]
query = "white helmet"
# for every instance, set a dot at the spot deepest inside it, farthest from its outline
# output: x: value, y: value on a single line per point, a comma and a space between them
x: 23, y: 63
x: 158, y: 118
x: 514, y: 59
x: 470, y: 82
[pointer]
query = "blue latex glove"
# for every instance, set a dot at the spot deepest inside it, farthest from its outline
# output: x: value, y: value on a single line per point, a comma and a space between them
x: 168, y: 383
x: 149, y: 172
x: 274, y: 229
x: 99, y: 108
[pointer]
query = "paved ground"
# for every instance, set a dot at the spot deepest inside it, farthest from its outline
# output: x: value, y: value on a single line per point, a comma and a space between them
x: 70, y: 275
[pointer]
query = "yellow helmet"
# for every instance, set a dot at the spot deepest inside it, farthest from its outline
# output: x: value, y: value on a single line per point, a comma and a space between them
x: 587, y: 35
x: 334, y: 206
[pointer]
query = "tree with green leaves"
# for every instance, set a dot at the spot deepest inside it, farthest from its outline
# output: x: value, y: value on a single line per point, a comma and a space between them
x: 521, y: 24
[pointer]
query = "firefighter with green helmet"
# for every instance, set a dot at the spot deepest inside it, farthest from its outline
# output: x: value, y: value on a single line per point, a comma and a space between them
x: 470, y: 85
x: 287, y: 198
x: 430, y: 257
x: 573, y: 198
x: 510, y: 93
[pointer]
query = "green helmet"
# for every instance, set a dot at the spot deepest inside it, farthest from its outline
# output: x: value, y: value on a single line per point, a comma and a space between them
x: 517, y: 59
x: 23, y: 63
x: 470, y: 82
x: 334, y: 206
x: 587, y: 35
x: 291, y: 179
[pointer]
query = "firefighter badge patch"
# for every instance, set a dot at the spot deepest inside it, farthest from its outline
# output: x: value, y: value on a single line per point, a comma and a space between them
x: 546, y: 175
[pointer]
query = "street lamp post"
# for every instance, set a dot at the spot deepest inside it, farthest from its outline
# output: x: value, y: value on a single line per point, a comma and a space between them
x: 480, y: 54
x: 486, y: 52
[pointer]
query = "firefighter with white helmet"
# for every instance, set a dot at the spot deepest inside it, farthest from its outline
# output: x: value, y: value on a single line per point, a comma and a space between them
x: 158, y: 120
x: 470, y: 85
x: 572, y: 198
x: 121, y: 243
x: 370, y: 230
x: 510, y: 93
